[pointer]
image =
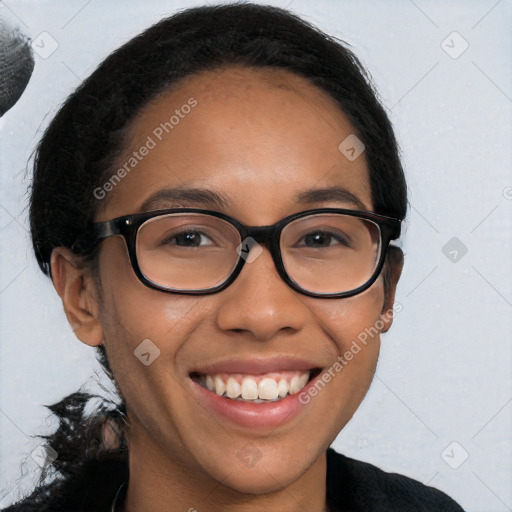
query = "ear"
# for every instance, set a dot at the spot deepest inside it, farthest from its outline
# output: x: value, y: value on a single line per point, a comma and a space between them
x: 394, y: 264
x: 77, y: 290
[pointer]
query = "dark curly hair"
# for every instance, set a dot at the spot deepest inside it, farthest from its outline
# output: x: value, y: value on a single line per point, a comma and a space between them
x: 78, y: 152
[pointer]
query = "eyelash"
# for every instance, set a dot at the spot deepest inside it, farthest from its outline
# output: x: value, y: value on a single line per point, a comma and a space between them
x: 343, y: 240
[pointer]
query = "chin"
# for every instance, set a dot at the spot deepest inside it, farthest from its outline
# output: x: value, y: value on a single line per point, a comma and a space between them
x: 263, y: 479
x: 257, y: 468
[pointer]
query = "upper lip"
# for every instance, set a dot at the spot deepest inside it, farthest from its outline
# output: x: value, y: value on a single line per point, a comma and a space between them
x: 256, y: 365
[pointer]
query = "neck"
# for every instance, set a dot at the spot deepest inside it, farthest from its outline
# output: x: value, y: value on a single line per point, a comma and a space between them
x: 158, y: 481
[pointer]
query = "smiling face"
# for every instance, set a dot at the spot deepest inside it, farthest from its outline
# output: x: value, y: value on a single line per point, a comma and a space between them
x: 258, y: 141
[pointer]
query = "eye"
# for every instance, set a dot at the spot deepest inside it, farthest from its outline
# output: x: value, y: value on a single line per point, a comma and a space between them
x: 188, y: 238
x: 324, y: 238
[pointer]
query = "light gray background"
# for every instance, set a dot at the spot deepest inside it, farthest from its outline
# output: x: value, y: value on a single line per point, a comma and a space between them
x: 445, y: 369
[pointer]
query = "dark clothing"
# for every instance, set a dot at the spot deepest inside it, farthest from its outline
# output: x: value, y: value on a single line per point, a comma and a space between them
x: 355, y: 486
x: 352, y: 486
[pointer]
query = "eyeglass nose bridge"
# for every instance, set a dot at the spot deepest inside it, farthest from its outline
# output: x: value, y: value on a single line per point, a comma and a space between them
x: 269, y: 237
x: 261, y: 234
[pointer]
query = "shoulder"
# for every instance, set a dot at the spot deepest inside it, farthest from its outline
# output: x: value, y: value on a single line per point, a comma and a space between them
x: 353, y: 485
x: 91, y: 489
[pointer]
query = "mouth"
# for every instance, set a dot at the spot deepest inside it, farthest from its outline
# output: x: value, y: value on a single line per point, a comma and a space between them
x: 254, y: 392
x: 255, y: 388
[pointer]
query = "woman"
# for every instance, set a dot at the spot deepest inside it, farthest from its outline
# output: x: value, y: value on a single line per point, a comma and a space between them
x: 216, y: 206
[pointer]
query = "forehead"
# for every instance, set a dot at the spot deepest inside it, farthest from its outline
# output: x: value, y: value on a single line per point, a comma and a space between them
x: 258, y: 137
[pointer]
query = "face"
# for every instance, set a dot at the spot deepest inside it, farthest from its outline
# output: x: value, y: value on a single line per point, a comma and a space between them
x: 259, y: 139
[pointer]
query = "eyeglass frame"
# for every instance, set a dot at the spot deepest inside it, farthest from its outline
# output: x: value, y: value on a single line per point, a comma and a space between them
x: 270, y: 235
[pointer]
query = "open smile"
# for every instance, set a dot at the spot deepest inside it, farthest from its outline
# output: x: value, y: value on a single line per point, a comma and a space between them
x: 259, y: 388
x: 254, y: 399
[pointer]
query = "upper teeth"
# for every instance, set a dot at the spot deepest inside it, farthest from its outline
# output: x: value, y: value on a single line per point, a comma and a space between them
x: 261, y: 387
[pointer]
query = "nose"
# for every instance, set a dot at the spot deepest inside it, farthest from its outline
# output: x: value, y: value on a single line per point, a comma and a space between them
x: 261, y: 303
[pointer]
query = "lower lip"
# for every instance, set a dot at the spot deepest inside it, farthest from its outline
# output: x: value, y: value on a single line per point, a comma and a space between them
x: 247, y: 414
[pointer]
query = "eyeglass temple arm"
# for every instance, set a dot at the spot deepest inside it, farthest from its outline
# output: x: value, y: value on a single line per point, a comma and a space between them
x: 394, y: 228
x: 106, y: 229
x: 98, y: 232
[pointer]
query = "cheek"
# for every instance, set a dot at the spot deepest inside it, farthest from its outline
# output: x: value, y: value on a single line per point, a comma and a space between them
x: 145, y: 333
x: 138, y: 310
x: 347, y: 320
x: 352, y: 343
x: 142, y: 327
x: 352, y: 326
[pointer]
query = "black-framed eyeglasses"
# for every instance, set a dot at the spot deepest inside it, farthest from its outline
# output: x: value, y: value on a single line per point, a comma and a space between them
x: 325, y: 252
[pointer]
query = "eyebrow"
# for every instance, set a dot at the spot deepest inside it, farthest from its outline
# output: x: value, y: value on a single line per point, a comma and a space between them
x: 195, y: 196
x: 330, y: 194
x: 169, y: 197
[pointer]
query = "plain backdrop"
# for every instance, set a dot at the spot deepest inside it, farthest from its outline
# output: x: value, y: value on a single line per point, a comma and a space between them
x: 440, y: 407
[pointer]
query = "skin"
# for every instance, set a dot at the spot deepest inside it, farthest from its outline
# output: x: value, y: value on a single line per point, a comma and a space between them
x: 259, y: 137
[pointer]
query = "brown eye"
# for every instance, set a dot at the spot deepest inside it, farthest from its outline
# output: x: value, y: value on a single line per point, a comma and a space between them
x: 324, y: 239
x: 187, y: 239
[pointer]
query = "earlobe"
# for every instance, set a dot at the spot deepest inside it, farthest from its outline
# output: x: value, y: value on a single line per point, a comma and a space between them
x: 77, y: 290
x: 394, y: 263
